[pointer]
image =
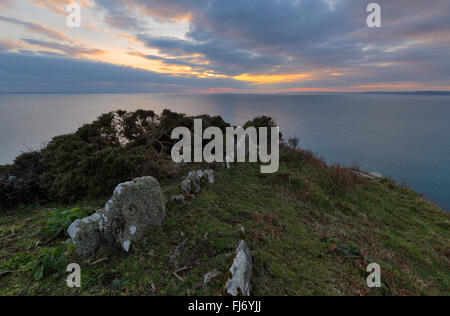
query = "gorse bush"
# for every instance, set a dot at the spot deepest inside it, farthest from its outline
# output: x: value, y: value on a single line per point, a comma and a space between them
x: 19, y: 183
x: 76, y: 169
x: 89, y: 163
x: 293, y: 142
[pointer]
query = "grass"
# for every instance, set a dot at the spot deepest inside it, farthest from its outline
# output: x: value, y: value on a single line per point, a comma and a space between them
x: 312, y: 230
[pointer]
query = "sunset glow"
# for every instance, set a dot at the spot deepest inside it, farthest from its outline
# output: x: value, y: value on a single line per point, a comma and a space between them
x: 203, y: 47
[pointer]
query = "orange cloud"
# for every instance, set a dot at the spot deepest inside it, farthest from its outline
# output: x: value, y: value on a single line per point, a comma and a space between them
x: 5, y: 3
x: 37, y: 28
x: 59, y: 6
x: 6, y: 45
x: 268, y: 79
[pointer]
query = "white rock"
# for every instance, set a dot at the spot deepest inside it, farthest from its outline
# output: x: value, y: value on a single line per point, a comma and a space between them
x: 196, y: 181
x: 126, y: 245
x: 241, y: 272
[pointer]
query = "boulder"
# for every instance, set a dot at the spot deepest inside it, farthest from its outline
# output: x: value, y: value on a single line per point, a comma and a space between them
x: 196, y: 181
x: 133, y: 208
x: 241, y: 272
x: 86, y: 235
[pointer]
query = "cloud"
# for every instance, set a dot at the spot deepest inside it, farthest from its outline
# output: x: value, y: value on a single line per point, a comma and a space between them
x: 123, y: 20
x: 291, y: 37
x: 222, y: 56
x: 70, y: 50
x: 265, y: 44
x: 37, y: 28
x: 6, y: 45
x: 5, y: 3
x: 33, y: 73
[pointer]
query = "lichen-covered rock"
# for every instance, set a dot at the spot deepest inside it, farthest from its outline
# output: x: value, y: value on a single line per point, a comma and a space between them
x: 86, y: 235
x: 196, y: 181
x: 241, y: 272
x: 133, y: 208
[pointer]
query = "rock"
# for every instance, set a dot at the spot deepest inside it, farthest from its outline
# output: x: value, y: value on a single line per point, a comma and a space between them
x: 241, y: 272
x: 363, y: 175
x: 86, y: 235
x: 376, y: 175
x: 369, y: 175
x: 210, y: 276
x: 196, y: 181
x: 133, y: 208
x: 177, y: 199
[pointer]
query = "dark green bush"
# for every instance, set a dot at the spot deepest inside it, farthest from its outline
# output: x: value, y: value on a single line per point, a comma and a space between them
x: 78, y: 170
x: 117, y: 147
x: 263, y: 121
x: 19, y: 183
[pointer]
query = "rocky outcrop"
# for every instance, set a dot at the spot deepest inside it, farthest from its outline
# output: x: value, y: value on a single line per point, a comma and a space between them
x: 241, y: 272
x: 196, y: 181
x: 134, y: 207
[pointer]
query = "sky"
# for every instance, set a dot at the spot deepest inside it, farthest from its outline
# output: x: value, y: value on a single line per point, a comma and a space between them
x: 224, y: 46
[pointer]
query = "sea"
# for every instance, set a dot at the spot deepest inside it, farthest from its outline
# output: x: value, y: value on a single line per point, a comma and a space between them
x: 402, y: 136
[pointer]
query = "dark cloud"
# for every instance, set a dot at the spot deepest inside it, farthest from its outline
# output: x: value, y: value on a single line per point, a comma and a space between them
x: 223, y: 56
x: 293, y: 36
x: 234, y: 37
x: 124, y: 20
x: 31, y: 73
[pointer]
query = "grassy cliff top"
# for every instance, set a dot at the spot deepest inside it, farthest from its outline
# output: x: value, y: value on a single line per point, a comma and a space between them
x: 312, y: 230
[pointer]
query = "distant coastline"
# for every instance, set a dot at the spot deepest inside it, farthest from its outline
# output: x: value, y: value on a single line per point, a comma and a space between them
x: 440, y: 93
x: 445, y: 93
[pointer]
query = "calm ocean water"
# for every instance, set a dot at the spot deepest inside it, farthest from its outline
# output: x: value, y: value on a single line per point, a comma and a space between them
x: 405, y: 137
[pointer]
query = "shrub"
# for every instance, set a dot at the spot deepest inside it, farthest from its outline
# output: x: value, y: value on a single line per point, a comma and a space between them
x: 89, y: 163
x: 263, y: 121
x: 19, y: 183
x: 293, y: 142
x: 78, y: 170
